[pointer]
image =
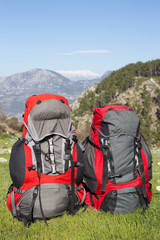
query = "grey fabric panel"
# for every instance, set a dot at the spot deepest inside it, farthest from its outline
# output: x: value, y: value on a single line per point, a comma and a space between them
x: 149, y: 158
x: 123, y: 121
x: 122, y: 130
x: 58, y: 148
x: 31, y: 129
x: 59, y: 152
x: 89, y: 172
x: 54, y: 197
x: 49, y: 117
x: 31, y: 144
x: 122, y: 148
x: 127, y: 202
x: 50, y: 109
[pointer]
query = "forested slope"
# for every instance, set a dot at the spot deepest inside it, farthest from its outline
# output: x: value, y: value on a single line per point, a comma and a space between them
x: 137, y: 85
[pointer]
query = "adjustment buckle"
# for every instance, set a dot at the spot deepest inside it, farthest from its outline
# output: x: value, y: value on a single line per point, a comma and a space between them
x: 105, y: 143
x: 37, y: 148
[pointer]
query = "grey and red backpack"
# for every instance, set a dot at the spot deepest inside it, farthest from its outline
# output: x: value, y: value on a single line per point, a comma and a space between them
x: 46, y: 162
x: 118, y: 162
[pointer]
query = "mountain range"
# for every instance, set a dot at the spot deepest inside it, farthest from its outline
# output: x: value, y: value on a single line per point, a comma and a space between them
x: 83, y: 75
x: 15, y: 89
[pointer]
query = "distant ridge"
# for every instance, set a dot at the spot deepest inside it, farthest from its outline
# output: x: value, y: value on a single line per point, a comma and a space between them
x: 15, y: 89
x: 80, y: 75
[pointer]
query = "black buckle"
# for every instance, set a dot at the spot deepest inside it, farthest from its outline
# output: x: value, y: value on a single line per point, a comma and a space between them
x: 38, y: 148
x: 33, y: 167
x: 35, y: 193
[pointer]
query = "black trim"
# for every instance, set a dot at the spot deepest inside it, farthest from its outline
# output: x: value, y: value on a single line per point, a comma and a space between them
x: 105, y: 153
x: 142, y: 173
x: 109, y: 202
x: 17, y: 164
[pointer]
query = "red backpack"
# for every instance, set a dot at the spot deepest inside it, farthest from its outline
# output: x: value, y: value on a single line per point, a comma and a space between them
x: 46, y: 162
x: 118, y: 162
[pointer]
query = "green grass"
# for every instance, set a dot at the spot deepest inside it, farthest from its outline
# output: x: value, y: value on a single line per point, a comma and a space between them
x: 90, y: 224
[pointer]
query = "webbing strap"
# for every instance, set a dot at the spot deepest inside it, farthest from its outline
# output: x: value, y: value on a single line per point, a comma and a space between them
x: 80, y: 160
x: 105, y: 153
x: 14, y: 211
x: 142, y: 169
x: 141, y: 198
x: 29, y: 218
x: 37, y: 150
x: 67, y: 156
x: 93, y: 144
x: 75, y: 139
x: 72, y: 186
x: 84, y: 195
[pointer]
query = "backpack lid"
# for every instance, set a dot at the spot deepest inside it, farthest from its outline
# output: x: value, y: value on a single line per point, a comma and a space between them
x: 119, y: 118
x: 47, y: 114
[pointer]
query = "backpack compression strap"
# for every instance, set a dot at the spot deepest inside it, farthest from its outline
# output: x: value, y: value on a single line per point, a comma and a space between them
x: 80, y: 160
x: 142, y: 173
x: 37, y: 150
x: 106, y: 156
x: 68, y: 157
x: 14, y: 210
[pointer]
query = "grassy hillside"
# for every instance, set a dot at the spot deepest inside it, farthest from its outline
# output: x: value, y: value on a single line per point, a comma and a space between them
x: 137, y: 85
x: 88, y: 225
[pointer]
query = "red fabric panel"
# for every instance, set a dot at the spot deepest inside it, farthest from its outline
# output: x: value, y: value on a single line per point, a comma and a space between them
x: 99, y: 113
x: 8, y: 202
x: 149, y: 193
x: 88, y: 201
x: 111, y: 187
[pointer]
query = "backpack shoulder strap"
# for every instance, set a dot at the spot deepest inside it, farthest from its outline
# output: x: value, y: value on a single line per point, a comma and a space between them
x: 37, y: 151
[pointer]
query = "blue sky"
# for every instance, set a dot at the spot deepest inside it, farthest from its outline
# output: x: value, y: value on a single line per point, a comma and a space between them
x: 97, y: 35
